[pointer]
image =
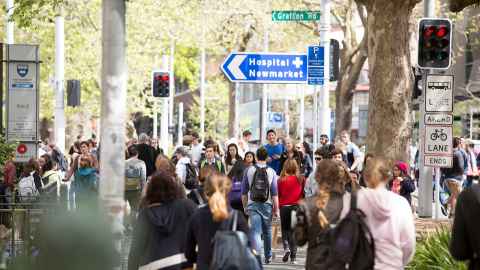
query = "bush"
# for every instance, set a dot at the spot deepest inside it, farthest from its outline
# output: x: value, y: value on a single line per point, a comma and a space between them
x: 432, y: 252
x: 7, y: 151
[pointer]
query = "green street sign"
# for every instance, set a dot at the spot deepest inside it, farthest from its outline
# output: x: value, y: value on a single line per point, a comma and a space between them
x: 295, y: 15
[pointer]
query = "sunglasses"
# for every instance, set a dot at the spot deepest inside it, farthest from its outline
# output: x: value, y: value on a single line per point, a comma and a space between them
x: 318, y: 158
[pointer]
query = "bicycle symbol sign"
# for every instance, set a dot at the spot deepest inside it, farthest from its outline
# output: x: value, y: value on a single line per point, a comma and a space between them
x: 438, y: 140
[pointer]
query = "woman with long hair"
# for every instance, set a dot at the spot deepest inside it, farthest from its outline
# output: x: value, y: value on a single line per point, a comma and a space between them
x: 197, y: 195
x: 231, y: 157
x: 389, y: 217
x: 158, y: 235
x: 50, y: 177
x: 291, y: 152
x: 316, y: 213
x: 290, y: 192
x: 400, y: 182
x: 85, y: 183
x: 206, y: 221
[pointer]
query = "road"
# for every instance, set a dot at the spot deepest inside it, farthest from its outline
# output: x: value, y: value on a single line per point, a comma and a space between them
x: 277, y: 263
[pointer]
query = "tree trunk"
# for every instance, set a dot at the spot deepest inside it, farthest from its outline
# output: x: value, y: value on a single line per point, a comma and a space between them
x: 390, y: 73
x: 113, y: 114
x: 459, y: 5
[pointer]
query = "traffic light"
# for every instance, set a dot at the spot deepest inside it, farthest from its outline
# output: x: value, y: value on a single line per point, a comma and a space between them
x: 434, y: 43
x: 417, y: 88
x: 161, y: 84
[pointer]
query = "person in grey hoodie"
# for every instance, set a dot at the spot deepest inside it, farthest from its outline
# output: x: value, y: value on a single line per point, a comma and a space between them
x: 389, y: 217
x: 159, y: 232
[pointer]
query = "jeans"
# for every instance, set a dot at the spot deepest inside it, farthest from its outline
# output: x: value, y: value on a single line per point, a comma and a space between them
x: 261, y: 224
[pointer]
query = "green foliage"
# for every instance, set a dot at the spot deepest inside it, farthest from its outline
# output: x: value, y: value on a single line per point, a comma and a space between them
x: 7, y: 151
x: 25, y: 10
x: 432, y: 252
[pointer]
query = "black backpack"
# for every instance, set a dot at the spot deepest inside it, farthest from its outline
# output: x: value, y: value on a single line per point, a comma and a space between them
x: 191, y: 177
x: 230, y: 248
x: 350, y: 242
x: 260, y: 186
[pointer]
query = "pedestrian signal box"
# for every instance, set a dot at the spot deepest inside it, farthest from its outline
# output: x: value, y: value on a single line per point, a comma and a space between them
x: 160, y: 84
x: 434, y: 43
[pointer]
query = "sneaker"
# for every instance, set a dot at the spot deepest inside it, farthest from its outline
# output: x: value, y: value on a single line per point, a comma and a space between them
x: 293, y: 261
x: 268, y: 260
x: 286, y: 256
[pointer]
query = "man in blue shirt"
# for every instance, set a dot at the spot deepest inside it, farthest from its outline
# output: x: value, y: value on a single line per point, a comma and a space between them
x: 274, y: 150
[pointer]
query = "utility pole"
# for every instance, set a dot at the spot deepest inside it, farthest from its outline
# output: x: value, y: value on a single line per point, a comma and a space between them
x: 171, y: 86
x: 324, y: 30
x: 302, y: 114
x: 164, y: 120
x: 59, y: 81
x: 236, y: 126
x: 10, y: 24
x: 202, y: 76
x: 114, y: 104
x: 425, y: 185
x: 180, y: 124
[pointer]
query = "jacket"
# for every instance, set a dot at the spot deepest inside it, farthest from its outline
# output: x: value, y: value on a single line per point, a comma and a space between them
x: 390, y: 219
x: 307, y: 226
x: 407, y: 186
x: 465, y: 243
x: 158, y: 236
x: 181, y: 168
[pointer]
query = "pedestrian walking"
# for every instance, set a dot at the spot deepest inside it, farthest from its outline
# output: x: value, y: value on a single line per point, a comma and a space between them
x: 50, y: 176
x: 260, y: 201
x: 291, y: 152
x: 455, y: 175
x: 197, y: 195
x: 275, y: 151
x: 465, y: 234
x: 389, y: 217
x: 183, y: 163
x: 159, y: 233
x: 290, y: 192
x: 249, y: 159
x: 197, y: 149
x: 352, y: 152
x: 212, y: 160
x: 400, y: 182
x: 231, y: 157
x: 472, y: 168
x: 85, y: 184
x: 146, y: 153
x: 208, y: 220
x: 311, y: 184
x: 328, y: 206
x: 135, y: 179
x: 235, y: 194
x: 307, y: 154
x: 243, y: 143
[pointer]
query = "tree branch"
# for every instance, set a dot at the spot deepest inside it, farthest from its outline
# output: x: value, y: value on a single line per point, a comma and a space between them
x: 362, y: 12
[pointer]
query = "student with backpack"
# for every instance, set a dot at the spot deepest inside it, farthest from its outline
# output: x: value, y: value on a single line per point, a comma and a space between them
x: 389, y: 217
x: 159, y: 232
x: 318, y: 214
x: 235, y: 195
x: 186, y: 172
x: 260, y: 201
x: 135, y: 178
x: 50, y: 176
x: 30, y: 185
x: 216, y: 234
x: 290, y: 192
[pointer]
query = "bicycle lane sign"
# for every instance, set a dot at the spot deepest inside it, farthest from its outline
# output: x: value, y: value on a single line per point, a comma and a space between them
x: 438, y: 145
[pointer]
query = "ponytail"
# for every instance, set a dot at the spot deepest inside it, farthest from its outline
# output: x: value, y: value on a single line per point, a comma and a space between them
x: 216, y: 188
x: 323, y: 195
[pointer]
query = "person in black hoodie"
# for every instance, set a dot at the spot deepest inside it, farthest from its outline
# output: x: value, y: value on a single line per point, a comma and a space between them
x: 159, y: 232
x: 465, y: 243
x: 146, y: 153
x: 207, y: 221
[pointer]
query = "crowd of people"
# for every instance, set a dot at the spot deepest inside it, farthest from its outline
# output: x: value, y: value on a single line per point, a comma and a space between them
x: 181, y: 204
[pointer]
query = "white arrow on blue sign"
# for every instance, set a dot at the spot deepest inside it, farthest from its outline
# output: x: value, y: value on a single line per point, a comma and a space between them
x: 266, y: 67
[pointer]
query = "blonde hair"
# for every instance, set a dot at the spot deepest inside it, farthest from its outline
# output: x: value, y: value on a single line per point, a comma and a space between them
x: 376, y: 171
x: 290, y: 167
x: 216, y: 188
x: 332, y: 176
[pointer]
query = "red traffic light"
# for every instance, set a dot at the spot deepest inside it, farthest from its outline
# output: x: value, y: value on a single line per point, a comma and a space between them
x: 442, y: 31
x: 429, y: 30
x: 164, y: 77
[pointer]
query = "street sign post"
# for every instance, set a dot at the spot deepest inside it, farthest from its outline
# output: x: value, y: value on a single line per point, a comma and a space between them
x: 315, y: 67
x: 22, y: 99
x: 265, y: 67
x: 295, y: 15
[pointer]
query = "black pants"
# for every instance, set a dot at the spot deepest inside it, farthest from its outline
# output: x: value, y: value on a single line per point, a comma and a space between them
x: 287, y: 230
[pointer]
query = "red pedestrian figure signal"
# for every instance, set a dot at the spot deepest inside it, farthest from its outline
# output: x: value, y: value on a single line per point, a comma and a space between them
x: 161, y: 84
x: 434, y: 43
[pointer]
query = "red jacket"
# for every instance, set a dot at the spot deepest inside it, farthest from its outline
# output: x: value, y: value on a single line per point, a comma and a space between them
x: 9, y: 174
x: 290, y: 191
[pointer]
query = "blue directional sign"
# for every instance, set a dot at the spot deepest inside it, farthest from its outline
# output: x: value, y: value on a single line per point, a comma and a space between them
x: 316, y: 64
x: 266, y: 67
